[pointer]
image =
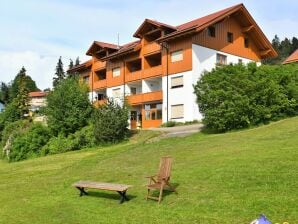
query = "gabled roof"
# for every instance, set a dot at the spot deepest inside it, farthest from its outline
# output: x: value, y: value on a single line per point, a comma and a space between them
x: 292, y: 58
x: 130, y: 47
x: 200, y: 24
x: 83, y: 66
x: 147, y: 22
x: 37, y: 94
x: 97, y: 45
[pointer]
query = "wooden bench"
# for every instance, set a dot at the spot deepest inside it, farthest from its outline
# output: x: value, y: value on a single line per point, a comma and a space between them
x: 120, y: 188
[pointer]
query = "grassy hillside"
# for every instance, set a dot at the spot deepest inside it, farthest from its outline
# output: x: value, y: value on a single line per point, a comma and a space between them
x: 226, y: 178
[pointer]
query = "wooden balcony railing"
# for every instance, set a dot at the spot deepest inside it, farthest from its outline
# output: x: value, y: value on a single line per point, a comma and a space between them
x: 151, y: 47
x: 99, y: 103
x: 133, y: 76
x: 152, y: 72
x: 100, y: 84
x: 144, y: 97
x: 98, y: 65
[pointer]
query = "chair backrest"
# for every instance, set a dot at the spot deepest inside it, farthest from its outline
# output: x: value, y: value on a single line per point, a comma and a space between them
x: 165, y: 167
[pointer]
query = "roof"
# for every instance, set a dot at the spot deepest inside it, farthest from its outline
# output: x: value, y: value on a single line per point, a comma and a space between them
x: 37, y: 94
x: 194, y: 26
x: 101, y: 45
x: 81, y: 66
x: 292, y: 58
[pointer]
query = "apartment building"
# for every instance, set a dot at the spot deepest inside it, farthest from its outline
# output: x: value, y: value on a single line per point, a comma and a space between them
x: 157, y: 72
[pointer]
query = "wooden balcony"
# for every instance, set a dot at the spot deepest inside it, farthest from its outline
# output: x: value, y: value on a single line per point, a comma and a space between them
x: 152, y: 72
x: 100, y: 84
x: 151, y: 48
x: 98, y: 65
x: 133, y: 76
x: 145, y: 97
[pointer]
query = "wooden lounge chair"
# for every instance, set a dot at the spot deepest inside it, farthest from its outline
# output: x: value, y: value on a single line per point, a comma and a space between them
x: 161, y: 180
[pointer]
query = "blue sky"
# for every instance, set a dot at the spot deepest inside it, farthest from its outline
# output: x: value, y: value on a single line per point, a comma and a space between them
x: 34, y: 33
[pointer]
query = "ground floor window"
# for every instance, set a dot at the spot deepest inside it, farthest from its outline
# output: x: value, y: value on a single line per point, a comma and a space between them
x: 153, y: 111
x: 177, y: 111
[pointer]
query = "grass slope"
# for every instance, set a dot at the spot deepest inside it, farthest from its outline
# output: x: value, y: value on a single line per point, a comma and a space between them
x: 226, y: 178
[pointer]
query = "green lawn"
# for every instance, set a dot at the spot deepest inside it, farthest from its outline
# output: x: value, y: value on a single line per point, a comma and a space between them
x: 224, y: 178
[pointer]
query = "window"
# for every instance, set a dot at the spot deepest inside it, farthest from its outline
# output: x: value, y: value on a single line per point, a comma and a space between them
x: 230, y: 37
x: 211, y: 31
x: 177, y: 111
x: 116, y: 72
x: 101, y: 96
x: 177, y: 82
x: 177, y: 56
x: 221, y: 59
x: 240, y: 61
x: 246, y: 42
x: 116, y: 92
x: 153, y: 111
x: 133, y: 90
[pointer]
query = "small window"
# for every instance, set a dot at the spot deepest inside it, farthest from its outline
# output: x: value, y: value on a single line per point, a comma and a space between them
x: 230, y: 37
x: 221, y: 59
x: 116, y: 92
x: 177, y: 82
x: 86, y: 79
x: 211, y: 31
x: 147, y: 115
x: 133, y: 90
x: 240, y: 61
x: 177, y: 56
x: 177, y: 111
x: 116, y: 72
x: 246, y: 42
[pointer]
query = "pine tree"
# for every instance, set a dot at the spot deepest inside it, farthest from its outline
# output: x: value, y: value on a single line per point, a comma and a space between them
x: 4, y: 92
x: 27, y: 81
x: 77, y: 61
x: 60, y: 74
x: 70, y: 66
x: 22, y: 99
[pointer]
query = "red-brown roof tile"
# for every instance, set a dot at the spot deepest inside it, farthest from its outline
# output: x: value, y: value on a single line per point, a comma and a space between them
x: 292, y: 58
x: 37, y: 94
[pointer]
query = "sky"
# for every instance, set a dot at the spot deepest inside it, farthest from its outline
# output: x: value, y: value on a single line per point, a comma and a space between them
x: 35, y: 33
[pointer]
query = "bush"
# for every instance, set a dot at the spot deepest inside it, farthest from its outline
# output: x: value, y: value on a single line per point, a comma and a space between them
x: 29, y: 143
x: 169, y: 124
x: 237, y: 96
x: 110, y: 122
x: 81, y: 139
x: 68, y: 107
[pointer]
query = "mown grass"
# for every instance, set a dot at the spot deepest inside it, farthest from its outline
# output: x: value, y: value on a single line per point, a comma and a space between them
x: 223, y: 178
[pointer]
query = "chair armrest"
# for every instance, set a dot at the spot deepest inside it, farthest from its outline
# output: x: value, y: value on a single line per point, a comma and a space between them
x: 151, y: 176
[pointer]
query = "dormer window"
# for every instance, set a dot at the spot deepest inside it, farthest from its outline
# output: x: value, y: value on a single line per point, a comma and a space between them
x: 211, y: 31
x: 230, y: 37
x: 246, y: 42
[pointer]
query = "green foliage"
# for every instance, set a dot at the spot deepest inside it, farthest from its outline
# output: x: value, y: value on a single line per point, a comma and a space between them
x: 29, y: 143
x: 237, y: 96
x: 68, y: 107
x: 4, y: 92
x: 110, y: 122
x: 22, y: 79
x: 284, y: 48
x: 174, y: 123
x: 59, y: 74
x: 169, y: 124
x: 81, y: 139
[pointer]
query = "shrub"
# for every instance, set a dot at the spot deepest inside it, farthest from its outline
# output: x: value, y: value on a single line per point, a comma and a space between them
x: 68, y: 107
x: 29, y: 143
x: 169, y: 124
x: 110, y: 122
x: 237, y: 96
x: 81, y: 139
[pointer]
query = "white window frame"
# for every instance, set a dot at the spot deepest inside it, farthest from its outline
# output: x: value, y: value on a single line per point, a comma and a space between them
x: 179, y: 85
x: 178, y: 116
x: 116, y: 72
x: 219, y: 58
x: 118, y: 94
x: 177, y: 56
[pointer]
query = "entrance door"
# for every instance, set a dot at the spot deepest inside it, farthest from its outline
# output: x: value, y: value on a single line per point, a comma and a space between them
x: 133, y: 119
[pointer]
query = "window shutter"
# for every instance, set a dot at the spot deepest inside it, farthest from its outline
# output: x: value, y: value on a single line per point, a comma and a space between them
x: 116, y: 93
x: 177, y: 111
x: 177, y: 56
x: 116, y: 72
x: 177, y: 81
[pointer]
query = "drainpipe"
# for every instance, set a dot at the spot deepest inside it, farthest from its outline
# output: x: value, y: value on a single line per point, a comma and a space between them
x: 166, y: 46
x: 92, y: 79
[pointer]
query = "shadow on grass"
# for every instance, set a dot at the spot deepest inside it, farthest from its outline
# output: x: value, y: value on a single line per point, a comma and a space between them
x: 111, y: 195
x: 166, y: 192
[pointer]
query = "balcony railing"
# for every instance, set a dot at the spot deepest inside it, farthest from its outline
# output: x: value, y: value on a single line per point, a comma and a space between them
x: 100, y: 84
x: 99, y: 102
x: 151, y: 47
x: 144, y: 97
x: 152, y: 72
x: 133, y: 76
x: 99, y: 65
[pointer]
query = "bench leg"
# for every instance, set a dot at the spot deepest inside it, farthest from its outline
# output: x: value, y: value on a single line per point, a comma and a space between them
x: 122, y: 196
x: 82, y: 191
